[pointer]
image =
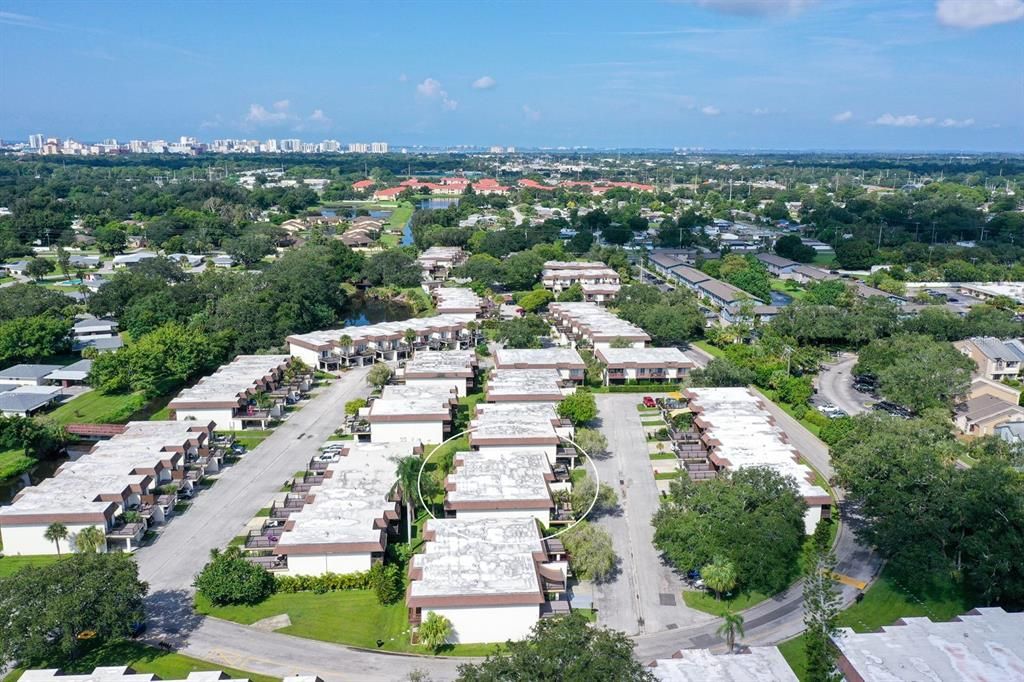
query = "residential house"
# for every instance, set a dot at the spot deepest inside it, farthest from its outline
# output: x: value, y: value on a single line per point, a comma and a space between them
x: 980, y: 416
x: 74, y: 374
x: 26, y: 399
x: 127, y: 260
x: 88, y: 329
x: 566, y: 361
x: 27, y: 375
x: 777, y: 266
x: 805, y: 274
x: 723, y: 294
x: 629, y: 365
x: 239, y: 395
x: 996, y: 360
x: 411, y: 413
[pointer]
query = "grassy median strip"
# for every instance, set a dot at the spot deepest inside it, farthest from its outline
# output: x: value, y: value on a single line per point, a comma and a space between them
x: 706, y: 602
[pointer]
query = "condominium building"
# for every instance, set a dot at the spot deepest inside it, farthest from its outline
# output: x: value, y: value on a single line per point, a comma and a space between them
x: 231, y: 397
x: 120, y: 674
x: 445, y: 368
x: 592, y: 325
x: 411, y: 413
x: 566, y: 361
x: 558, y: 276
x: 625, y: 365
x: 522, y: 426
x: 437, y: 262
x: 752, y: 664
x: 449, y: 300
x: 139, y: 470
x: 500, y: 483
x: 526, y: 386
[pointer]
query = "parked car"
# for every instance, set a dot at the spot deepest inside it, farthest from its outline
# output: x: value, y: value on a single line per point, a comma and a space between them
x: 893, y: 409
x: 649, y: 401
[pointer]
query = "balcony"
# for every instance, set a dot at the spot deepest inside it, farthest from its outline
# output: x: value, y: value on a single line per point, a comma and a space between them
x: 269, y: 562
x: 127, y: 530
x: 551, y: 609
x: 263, y: 539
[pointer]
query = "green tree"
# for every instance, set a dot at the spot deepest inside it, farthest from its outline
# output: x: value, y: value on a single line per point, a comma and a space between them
x: 229, y: 579
x: 532, y: 301
x: 720, y: 576
x: 379, y: 375
x: 523, y: 332
x: 45, y: 609
x: 579, y: 407
x: 435, y: 630
x: 591, y: 441
x: 30, y: 339
x: 822, y: 604
x: 586, y: 492
x: 393, y: 267
x: 250, y: 248
x: 790, y: 246
x: 573, y: 294
x: 522, y: 270
x: 110, y: 239
x: 387, y: 582
x: 855, y: 254
x: 917, y: 371
x: 353, y: 406
x: 564, y: 649
x: 732, y: 625
x: 38, y: 268
x: 90, y: 540
x: 721, y: 372
x: 409, y: 485
x: 64, y: 261
x: 56, y: 532
x: 593, y: 554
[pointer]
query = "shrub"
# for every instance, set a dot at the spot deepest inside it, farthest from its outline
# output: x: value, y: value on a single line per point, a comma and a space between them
x: 326, y: 582
x: 816, y: 418
x: 387, y: 583
x: 230, y: 579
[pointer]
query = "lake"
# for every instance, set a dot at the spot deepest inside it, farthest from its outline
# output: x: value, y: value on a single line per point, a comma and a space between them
x: 9, y: 487
x: 780, y: 299
x: 362, y: 310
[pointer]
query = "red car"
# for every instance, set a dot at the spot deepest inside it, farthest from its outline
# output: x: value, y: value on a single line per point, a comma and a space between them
x: 649, y: 401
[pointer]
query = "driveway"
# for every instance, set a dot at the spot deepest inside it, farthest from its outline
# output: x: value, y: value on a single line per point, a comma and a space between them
x: 219, y: 514
x: 645, y: 596
x: 835, y: 384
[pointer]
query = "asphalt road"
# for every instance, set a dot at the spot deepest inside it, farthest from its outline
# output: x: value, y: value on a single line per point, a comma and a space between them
x: 835, y: 384
x: 645, y: 596
x: 220, y: 513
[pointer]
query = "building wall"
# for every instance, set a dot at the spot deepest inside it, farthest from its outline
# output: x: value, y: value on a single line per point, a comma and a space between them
x: 458, y: 383
x: 608, y: 344
x: 811, y: 518
x: 542, y: 515
x: 310, y: 357
x: 334, y: 563
x: 483, y: 624
x: 408, y: 432
x: 29, y: 540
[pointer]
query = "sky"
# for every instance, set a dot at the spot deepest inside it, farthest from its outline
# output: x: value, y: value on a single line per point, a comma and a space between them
x: 885, y: 75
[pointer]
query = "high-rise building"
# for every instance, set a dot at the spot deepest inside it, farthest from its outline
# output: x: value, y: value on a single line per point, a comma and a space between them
x: 35, y: 141
x: 358, y: 147
x: 271, y: 146
x: 291, y: 145
x: 379, y: 147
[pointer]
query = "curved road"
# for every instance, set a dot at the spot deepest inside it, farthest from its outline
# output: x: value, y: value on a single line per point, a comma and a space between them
x: 219, y: 514
x: 835, y: 384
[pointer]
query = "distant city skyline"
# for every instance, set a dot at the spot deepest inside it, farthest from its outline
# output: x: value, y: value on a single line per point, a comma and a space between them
x: 871, y: 75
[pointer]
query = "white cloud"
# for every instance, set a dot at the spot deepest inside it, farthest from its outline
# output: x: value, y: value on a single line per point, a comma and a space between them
x: 904, y: 121
x: 978, y: 13
x: 318, y: 116
x: 282, y: 105
x: 530, y: 113
x: 710, y: 110
x: 484, y: 83
x: 260, y: 115
x: 432, y: 89
x: 842, y: 117
x: 757, y: 7
x: 953, y: 123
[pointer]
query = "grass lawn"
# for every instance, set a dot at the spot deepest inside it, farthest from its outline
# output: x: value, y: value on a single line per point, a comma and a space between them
x: 144, y: 659
x: 662, y: 455
x: 350, y: 617
x: 646, y: 421
x: 788, y: 287
x: 14, y: 462
x: 826, y: 258
x: 263, y: 513
x: 667, y: 475
x: 788, y: 409
x: 713, y: 351
x: 884, y: 603
x: 706, y: 602
x: 98, y: 408
x: 10, y: 565
x: 163, y: 414
x: 250, y: 438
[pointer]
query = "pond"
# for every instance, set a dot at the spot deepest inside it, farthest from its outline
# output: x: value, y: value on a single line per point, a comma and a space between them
x: 363, y: 310
x: 351, y: 213
x: 9, y: 487
x: 780, y: 299
x: 438, y: 203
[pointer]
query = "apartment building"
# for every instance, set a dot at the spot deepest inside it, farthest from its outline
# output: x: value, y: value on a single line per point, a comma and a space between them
x: 500, y: 483
x: 120, y: 674
x: 522, y: 426
x: 489, y: 577
x: 411, y: 414
x: 753, y: 664
x: 627, y: 365
x: 341, y: 520
x: 457, y: 300
x: 360, y: 345
x: 566, y: 361
x: 245, y: 393
x: 88, y: 330
x: 525, y: 386
x: 777, y: 266
x: 139, y: 471
x: 444, y: 368
x: 995, y: 359
x: 737, y: 431
x: 592, y: 325
x: 983, y: 644
x: 558, y: 276
x: 437, y: 262
x: 27, y: 375
x: 723, y: 294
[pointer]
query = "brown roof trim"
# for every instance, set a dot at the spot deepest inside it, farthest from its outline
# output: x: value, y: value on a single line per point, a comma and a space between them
x: 484, y: 505
x: 329, y: 547
x: 436, y: 601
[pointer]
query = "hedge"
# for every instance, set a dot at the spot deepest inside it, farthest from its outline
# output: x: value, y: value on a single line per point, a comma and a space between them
x: 327, y: 582
x: 640, y: 388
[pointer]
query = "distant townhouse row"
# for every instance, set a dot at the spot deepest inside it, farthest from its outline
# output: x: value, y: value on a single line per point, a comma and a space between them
x: 738, y: 432
x: 122, y: 486
x: 724, y: 296
x: 457, y: 300
x: 592, y: 324
x: 358, y: 345
x: 248, y: 392
x: 598, y: 282
x: 28, y: 389
x: 437, y: 262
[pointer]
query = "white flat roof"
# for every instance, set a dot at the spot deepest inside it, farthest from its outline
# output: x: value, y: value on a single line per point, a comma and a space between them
x: 748, y: 436
x: 348, y: 503
x: 107, y: 469
x: 118, y: 674
x: 361, y: 333
x: 455, y: 298
x: 413, y: 399
x: 986, y: 646
x: 761, y: 664
x: 543, y: 357
x: 597, y: 320
x: 434, y: 253
x: 76, y: 371
x: 489, y: 556
x: 514, y: 421
x: 523, y: 382
x: 441, y: 361
x: 644, y: 356
x: 229, y: 382
x: 496, y: 475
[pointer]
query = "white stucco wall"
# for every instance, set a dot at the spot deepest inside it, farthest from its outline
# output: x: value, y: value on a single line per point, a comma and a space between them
x: 477, y: 625
x: 407, y: 432
x: 29, y: 540
x: 811, y: 518
x: 542, y: 515
x: 310, y: 357
x: 459, y: 384
x: 312, y: 564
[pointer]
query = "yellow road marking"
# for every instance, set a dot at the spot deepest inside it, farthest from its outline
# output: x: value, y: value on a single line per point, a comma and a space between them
x: 847, y: 580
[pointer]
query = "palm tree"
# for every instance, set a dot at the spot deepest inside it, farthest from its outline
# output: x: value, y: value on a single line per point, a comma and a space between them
x: 435, y: 630
x: 720, y: 576
x: 410, y: 337
x: 408, y: 473
x: 56, y: 532
x: 89, y: 540
x: 346, y: 342
x: 732, y: 625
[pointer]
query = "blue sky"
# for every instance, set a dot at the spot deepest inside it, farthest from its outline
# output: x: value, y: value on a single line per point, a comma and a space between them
x: 794, y: 74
